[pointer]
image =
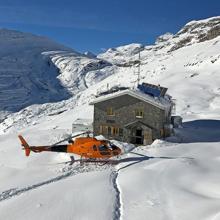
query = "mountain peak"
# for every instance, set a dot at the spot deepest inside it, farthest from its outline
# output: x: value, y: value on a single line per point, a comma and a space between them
x: 202, y: 30
x: 204, y: 21
x: 90, y: 54
x: 163, y: 38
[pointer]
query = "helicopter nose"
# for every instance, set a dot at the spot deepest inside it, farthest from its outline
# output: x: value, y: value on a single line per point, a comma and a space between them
x: 116, y: 151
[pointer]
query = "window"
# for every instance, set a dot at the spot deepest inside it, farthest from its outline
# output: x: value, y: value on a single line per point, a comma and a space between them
x: 94, y: 148
x: 110, y: 130
x: 115, y: 131
x: 103, y: 129
x: 103, y: 148
x: 139, y: 113
x: 110, y: 111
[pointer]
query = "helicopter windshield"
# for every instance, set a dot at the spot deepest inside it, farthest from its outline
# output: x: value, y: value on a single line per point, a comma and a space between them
x: 113, y: 147
x: 104, y: 150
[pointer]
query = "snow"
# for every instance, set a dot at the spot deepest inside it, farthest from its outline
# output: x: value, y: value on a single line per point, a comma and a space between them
x: 203, y: 20
x: 50, y: 199
x: 168, y: 180
x: 178, y: 181
x: 176, y: 178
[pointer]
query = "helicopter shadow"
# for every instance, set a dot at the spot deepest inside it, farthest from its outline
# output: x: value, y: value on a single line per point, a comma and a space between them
x: 134, y: 160
x: 197, y: 131
x: 141, y: 158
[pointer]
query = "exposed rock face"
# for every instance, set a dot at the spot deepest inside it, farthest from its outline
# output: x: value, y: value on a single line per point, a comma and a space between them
x: 211, y: 34
x: 183, y: 42
x: 120, y: 55
x: 197, y: 31
x: 195, y: 27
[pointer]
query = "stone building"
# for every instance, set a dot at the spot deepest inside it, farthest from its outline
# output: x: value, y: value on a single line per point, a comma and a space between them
x: 136, y: 116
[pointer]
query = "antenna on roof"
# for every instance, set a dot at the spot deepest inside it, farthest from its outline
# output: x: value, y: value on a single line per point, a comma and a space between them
x: 139, y: 67
x: 137, y: 64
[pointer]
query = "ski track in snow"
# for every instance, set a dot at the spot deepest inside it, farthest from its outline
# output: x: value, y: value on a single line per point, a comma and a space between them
x: 118, y: 204
x: 11, y: 193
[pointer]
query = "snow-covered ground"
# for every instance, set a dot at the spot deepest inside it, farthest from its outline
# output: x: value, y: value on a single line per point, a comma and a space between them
x: 173, y: 179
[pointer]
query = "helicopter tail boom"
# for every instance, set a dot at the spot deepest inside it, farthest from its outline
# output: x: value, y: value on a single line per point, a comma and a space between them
x: 25, y: 145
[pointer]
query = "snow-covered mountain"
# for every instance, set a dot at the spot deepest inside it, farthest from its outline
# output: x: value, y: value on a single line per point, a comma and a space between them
x: 26, y: 76
x: 186, y: 67
x: 36, y: 70
x: 177, y: 178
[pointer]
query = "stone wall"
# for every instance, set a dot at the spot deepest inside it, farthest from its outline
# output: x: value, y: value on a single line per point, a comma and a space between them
x: 124, y: 109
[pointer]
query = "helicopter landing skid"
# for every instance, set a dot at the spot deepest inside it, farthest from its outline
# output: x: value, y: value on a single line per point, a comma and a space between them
x: 91, y: 160
x: 72, y: 160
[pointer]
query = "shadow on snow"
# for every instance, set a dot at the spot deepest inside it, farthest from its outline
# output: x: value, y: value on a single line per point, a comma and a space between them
x: 205, y: 130
x: 142, y: 157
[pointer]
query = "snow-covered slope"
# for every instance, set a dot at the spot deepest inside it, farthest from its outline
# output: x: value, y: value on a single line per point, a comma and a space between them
x: 78, y: 72
x: 173, y: 179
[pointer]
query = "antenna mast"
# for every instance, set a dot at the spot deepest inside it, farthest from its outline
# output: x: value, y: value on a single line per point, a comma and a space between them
x: 137, y: 72
x: 139, y: 67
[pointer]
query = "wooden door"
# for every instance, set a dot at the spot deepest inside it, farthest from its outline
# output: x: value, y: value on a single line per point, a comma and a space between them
x: 148, y: 137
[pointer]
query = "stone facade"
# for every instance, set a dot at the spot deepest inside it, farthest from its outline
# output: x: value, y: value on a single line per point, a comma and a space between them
x: 125, y: 124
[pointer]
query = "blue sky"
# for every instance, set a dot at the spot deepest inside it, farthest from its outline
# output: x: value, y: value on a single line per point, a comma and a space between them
x: 94, y: 25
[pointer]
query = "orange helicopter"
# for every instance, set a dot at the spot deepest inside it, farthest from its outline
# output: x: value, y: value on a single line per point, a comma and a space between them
x: 87, y: 147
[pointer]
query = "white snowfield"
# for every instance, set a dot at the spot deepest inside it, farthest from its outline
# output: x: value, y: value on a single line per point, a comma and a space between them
x: 173, y: 179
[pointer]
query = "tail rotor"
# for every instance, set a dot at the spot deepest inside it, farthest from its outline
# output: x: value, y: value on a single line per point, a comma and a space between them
x: 25, y: 145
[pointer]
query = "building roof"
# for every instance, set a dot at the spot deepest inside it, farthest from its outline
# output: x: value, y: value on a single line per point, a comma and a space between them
x: 160, y: 102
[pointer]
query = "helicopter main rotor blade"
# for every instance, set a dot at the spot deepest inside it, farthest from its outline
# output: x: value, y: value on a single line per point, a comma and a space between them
x: 70, y: 137
x: 66, y: 139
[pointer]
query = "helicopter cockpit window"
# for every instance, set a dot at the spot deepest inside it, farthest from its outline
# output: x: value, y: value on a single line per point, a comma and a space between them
x: 113, y: 147
x: 104, y: 150
x: 94, y: 148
